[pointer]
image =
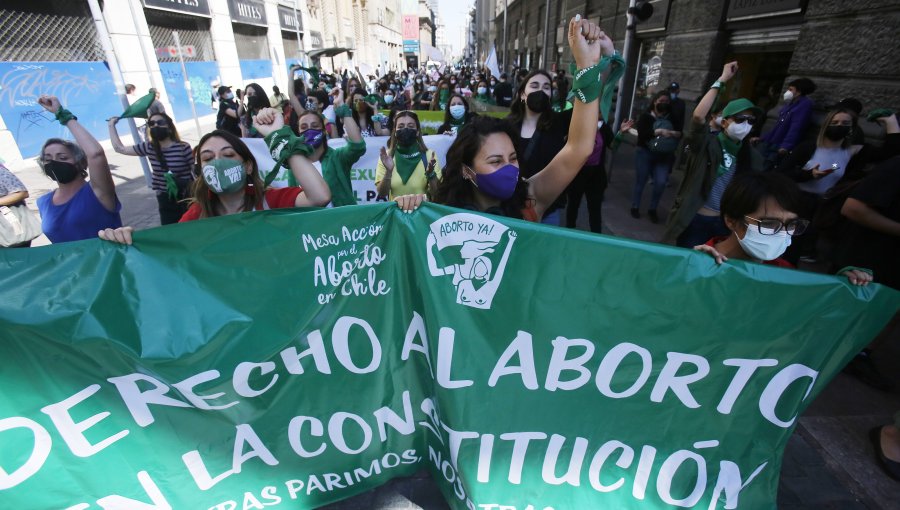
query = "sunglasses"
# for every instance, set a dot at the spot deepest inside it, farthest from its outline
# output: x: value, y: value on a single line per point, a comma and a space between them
x: 740, y: 119
x: 160, y: 123
x: 770, y: 227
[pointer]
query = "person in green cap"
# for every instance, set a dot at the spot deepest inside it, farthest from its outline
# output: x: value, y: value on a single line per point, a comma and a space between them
x: 406, y: 165
x: 712, y: 161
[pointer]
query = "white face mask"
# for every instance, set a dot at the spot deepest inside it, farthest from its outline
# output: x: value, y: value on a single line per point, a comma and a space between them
x: 738, y: 132
x: 482, y: 90
x: 388, y: 99
x: 432, y: 88
x: 788, y: 96
x: 763, y: 247
x: 718, y: 121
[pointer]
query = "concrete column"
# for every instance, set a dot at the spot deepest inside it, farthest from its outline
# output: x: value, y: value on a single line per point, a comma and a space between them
x: 276, y: 46
x: 223, y: 44
x: 130, y: 36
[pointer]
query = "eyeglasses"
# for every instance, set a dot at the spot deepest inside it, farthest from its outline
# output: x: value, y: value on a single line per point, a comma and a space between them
x: 770, y: 227
x: 740, y: 119
x: 160, y: 123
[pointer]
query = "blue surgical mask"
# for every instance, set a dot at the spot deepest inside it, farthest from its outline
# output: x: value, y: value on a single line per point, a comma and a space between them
x: 457, y: 111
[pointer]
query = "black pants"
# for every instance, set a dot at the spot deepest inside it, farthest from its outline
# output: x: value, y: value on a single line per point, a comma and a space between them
x: 170, y: 211
x: 590, y: 182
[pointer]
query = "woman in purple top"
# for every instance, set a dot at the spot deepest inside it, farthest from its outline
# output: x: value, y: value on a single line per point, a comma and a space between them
x: 78, y: 209
x: 791, y: 126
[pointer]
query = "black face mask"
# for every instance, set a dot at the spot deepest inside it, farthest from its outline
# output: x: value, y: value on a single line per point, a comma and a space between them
x: 159, y: 133
x: 254, y: 102
x: 406, y: 136
x: 663, y: 107
x: 537, y: 102
x: 61, y: 172
x: 837, y: 133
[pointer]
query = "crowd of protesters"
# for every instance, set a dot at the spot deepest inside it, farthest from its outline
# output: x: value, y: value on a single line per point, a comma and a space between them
x: 795, y: 193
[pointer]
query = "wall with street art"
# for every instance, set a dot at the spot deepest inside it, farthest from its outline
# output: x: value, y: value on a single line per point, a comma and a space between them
x: 85, y: 88
x: 200, y: 75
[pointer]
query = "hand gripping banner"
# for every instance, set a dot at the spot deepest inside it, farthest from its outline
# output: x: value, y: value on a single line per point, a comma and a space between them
x: 289, y: 359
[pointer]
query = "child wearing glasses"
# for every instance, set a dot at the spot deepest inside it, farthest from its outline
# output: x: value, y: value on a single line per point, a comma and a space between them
x: 758, y: 210
x: 713, y: 159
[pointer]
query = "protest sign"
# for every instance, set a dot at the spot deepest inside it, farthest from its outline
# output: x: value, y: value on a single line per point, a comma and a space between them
x: 287, y: 359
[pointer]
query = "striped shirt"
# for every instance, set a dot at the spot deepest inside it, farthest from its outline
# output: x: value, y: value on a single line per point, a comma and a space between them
x: 179, y: 160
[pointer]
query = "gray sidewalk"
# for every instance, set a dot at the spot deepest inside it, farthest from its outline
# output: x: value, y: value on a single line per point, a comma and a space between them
x: 828, y: 463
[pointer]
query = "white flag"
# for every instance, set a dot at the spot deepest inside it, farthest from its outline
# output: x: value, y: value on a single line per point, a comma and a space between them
x: 491, y: 63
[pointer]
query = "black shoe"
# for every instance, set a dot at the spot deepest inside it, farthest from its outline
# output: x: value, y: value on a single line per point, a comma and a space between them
x: 862, y: 368
x: 635, y: 213
x: 653, y: 217
x: 890, y: 467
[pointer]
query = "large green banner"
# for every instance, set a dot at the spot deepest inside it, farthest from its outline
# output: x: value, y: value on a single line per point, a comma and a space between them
x: 289, y: 359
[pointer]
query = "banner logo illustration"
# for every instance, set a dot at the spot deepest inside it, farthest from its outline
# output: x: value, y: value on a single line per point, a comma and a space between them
x: 476, y: 273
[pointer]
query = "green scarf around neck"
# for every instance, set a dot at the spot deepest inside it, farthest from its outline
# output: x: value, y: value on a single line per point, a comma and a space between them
x: 406, y: 159
x: 729, y: 146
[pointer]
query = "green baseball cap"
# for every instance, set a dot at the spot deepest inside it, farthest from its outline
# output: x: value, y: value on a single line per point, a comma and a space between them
x: 740, y: 104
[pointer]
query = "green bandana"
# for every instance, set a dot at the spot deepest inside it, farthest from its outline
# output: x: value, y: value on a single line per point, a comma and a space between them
x: 445, y: 95
x: 406, y: 159
x: 730, y: 149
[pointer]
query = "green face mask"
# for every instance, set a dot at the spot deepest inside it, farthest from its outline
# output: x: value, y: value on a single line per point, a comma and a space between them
x: 224, y: 175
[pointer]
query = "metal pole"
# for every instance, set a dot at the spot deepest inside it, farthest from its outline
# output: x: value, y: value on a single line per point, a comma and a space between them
x: 187, y: 82
x: 629, y: 41
x: 119, y: 80
x: 546, y: 31
x: 505, y: 8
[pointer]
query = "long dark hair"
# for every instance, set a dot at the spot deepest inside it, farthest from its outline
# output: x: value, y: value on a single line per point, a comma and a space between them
x: 173, y: 134
x: 202, y: 195
x: 449, y: 118
x: 457, y: 191
x: 517, y: 109
x: 262, y: 101
x: 652, y: 107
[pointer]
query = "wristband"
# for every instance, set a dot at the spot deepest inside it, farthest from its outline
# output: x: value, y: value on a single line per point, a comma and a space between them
x: 587, y: 84
x: 282, y: 145
x: 343, y: 111
x: 64, y: 116
x: 717, y: 85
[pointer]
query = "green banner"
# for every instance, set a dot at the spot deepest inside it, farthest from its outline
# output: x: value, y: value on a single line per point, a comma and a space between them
x: 289, y: 359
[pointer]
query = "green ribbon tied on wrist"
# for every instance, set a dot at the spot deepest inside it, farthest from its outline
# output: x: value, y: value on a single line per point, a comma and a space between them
x: 588, y: 86
x: 343, y: 111
x: 282, y: 145
x: 64, y: 116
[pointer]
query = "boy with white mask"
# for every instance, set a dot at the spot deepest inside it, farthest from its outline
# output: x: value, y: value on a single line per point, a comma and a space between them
x: 712, y: 160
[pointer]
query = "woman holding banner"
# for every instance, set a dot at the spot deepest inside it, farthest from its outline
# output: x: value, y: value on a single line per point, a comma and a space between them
x: 482, y: 170
x: 230, y: 182
x: 78, y: 208
x: 406, y: 166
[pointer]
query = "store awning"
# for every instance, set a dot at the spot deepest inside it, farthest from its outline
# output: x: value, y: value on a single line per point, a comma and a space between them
x: 328, y: 52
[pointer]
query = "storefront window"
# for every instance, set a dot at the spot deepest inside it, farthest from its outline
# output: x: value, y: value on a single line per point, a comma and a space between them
x: 648, y: 74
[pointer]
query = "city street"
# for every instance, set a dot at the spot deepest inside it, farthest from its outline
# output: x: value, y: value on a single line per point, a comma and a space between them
x: 828, y: 463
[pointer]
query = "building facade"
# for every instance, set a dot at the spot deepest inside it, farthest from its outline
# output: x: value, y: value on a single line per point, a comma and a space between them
x: 847, y: 48
x: 56, y: 47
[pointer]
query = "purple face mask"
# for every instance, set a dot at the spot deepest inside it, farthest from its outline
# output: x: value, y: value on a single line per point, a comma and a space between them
x: 313, y: 137
x: 500, y: 183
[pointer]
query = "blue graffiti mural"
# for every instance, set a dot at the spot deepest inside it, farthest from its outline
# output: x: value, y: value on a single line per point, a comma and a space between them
x: 253, y: 69
x: 85, y: 88
x: 201, y: 76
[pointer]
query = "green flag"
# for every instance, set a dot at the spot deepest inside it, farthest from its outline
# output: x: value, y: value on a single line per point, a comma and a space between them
x: 139, y: 107
x: 290, y: 359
